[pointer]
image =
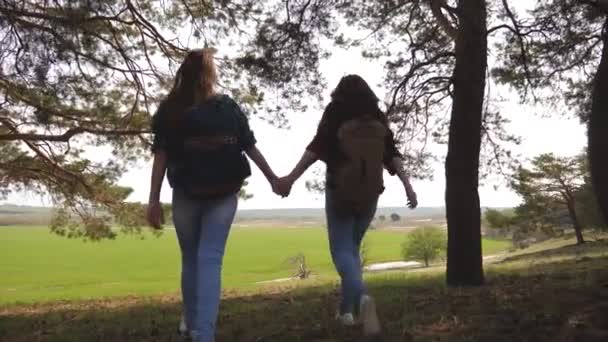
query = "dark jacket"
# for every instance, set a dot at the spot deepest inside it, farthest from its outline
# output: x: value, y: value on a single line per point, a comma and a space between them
x: 166, y: 137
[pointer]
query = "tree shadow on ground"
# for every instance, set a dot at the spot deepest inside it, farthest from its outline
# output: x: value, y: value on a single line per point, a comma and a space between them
x: 560, y: 301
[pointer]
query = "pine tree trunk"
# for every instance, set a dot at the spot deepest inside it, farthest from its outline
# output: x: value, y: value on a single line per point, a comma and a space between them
x: 578, y: 229
x: 598, y: 130
x: 464, y: 264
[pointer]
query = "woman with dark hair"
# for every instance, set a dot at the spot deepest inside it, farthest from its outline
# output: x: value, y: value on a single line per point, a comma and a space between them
x: 354, y: 140
x: 200, y: 138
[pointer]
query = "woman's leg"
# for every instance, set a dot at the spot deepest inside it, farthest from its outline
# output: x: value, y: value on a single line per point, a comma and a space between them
x: 361, y: 226
x: 186, y: 217
x: 365, y: 304
x: 343, y: 246
x: 215, y: 227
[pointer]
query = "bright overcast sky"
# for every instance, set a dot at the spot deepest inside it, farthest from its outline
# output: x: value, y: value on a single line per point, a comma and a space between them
x: 283, y: 149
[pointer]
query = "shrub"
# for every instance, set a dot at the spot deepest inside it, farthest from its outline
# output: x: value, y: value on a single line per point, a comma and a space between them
x: 498, y: 219
x: 299, y: 266
x: 424, y: 244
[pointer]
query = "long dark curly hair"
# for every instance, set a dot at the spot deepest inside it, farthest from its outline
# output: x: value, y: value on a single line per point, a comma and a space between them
x: 351, y: 98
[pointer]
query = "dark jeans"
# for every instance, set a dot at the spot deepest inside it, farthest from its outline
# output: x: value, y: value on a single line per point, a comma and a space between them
x: 345, y: 235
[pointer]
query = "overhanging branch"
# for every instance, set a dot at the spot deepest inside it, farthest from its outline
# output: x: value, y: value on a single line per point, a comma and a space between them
x: 522, y: 46
x: 69, y: 134
x: 66, y: 136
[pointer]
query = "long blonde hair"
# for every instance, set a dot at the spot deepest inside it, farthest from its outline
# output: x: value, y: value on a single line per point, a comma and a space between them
x: 194, y: 82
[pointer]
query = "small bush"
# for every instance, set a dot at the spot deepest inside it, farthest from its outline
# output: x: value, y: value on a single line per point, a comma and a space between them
x: 424, y: 244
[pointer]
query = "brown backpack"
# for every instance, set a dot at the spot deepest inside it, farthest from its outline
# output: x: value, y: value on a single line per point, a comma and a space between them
x: 358, y: 178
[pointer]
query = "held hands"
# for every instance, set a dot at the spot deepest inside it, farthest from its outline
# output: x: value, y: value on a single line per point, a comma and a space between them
x: 282, y: 186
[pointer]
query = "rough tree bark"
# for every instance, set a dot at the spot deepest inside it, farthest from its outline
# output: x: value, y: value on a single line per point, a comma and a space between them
x: 598, y: 130
x: 578, y: 229
x: 464, y: 265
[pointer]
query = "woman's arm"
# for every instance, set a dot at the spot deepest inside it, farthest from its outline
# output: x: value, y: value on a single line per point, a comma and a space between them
x: 284, y: 184
x: 262, y: 164
x: 308, y: 158
x: 159, y: 167
x: 316, y: 149
x: 396, y: 165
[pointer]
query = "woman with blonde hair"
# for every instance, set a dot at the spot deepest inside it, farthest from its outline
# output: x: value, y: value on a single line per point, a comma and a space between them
x: 200, y: 142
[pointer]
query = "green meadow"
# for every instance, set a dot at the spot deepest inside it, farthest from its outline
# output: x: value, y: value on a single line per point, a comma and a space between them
x: 37, y: 266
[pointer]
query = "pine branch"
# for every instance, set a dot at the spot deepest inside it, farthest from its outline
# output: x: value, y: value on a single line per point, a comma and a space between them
x: 69, y: 134
x: 523, y: 52
x: 442, y: 20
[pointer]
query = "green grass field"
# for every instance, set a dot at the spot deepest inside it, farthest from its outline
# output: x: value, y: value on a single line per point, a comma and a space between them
x: 555, y: 292
x: 37, y: 266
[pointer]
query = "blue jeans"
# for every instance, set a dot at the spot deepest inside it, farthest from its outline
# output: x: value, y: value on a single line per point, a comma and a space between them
x: 202, y: 228
x: 345, y: 235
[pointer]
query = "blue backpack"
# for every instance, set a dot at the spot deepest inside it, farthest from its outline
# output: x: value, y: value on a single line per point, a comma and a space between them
x: 206, y: 160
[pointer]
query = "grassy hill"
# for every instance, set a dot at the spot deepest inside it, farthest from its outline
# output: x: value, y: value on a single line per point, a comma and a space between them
x: 37, y: 266
x: 556, y: 295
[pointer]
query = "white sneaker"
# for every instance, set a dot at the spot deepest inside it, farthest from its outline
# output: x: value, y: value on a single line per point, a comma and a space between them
x: 182, y: 329
x: 369, y: 316
x: 346, y: 319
